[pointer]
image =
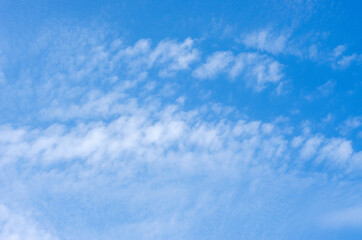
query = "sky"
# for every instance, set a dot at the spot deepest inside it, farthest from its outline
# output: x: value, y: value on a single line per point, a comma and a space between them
x: 180, y: 119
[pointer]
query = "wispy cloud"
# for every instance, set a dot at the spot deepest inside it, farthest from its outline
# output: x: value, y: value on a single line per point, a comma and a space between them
x: 266, y: 41
x: 340, y: 60
x: 169, y: 55
x: 214, y: 65
x: 285, y: 42
x: 344, y: 218
x: 327, y: 88
x: 120, y: 144
x: 257, y: 70
x: 15, y: 226
x: 350, y: 124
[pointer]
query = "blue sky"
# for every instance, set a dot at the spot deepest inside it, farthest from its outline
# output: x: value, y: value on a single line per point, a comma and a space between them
x: 180, y: 120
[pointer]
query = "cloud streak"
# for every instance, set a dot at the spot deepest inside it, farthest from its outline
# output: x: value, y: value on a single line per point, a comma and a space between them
x: 257, y: 70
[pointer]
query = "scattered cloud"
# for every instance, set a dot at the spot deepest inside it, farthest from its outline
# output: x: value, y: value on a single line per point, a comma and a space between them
x: 327, y: 88
x: 256, y: 69
x: 169, y: 55
x: 313, y: 52
x: 266, y: 41
x: 338, y: 51
x: 284, y: 42
x: 350, y: 124
x: 214, y: 65
x: 346, y: 61
x: 341, y: 61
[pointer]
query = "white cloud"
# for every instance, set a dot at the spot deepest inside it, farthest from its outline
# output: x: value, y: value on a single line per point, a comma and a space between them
x: 177, y: 56
x: 87, y: 56
x: 96, y: 105
x: 273, y: 42
x: 266, y: 41
x: 256, y: 69
x: 350, y: 124
x: 310, y: 147
x: 17, y: 227
x: 346, y: 61
x: 165, y: 135
x: 336, y: 150
x: 214, y: 65
x: 169, y: 56
x: 340, y: 60
x: 259, y: 70
x: 339, y: 50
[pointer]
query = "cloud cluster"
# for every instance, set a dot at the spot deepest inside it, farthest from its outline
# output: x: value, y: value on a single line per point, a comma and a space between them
x: 352, y: 123
x: 266, y: 41
x: 169, y: 135
x: 91, y: 57
x: 256, y: 69
x: 275, y: 43
x: 162, y: 169
x: 115, y: 156
x: 341, y: 60
x: 100, y: 62
x: 170, y: 56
